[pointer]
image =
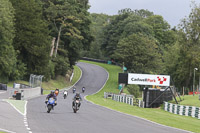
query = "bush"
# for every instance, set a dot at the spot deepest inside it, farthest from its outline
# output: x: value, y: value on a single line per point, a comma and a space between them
x: 61, y: 65
x: 134, y: 90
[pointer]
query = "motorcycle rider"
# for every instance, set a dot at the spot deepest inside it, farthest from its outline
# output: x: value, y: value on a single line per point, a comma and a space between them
x: 56, y: 91
x: 65, y: 93
x: 51, y: 95
x: 83, y: 89
x: 74, y: 89
x: 77, y: 97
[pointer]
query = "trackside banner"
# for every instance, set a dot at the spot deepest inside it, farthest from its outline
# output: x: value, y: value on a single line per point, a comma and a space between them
x: 147, y: 79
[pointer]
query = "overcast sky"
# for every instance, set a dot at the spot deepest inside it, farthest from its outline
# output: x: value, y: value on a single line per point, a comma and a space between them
x: 171, y: 10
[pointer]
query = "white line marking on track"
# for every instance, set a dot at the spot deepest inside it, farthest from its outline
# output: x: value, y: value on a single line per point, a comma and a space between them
x: 14, y: 107
x: 25, y: 110
x: 6, y: 130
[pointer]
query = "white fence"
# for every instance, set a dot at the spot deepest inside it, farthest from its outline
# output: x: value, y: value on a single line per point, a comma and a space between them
x: 128, y: 99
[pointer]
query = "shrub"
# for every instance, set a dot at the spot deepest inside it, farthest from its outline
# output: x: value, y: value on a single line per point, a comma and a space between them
x: 134, y: 90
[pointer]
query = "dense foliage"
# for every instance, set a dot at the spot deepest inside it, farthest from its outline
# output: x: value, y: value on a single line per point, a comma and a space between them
x: 145, y: 43
x: 47, y: 37
x: 7, y: 33
x: 42, y: 37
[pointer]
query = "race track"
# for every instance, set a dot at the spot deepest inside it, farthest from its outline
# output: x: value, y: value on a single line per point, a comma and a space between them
x: 90, y: 118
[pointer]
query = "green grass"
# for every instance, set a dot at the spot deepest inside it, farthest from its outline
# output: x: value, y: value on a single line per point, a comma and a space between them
x: 60, y: 82
x: 19, y: 104
x: 188, y: 100
x: 77, y: 74
x: 10, y: 84
x: 154, y: 114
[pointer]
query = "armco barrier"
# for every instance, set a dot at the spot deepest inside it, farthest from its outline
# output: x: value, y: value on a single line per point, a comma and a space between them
x: 182, y: 110
x: 30, y: 92
x: 128, y: 99
x: 3, y: 86
x: 26, y: 93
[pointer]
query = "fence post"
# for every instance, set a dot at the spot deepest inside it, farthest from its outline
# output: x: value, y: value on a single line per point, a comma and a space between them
x: 170, y: 107
x: 166, y: 105
x: 193, y: 111
x: 186, y: 110
x: 175, y: 109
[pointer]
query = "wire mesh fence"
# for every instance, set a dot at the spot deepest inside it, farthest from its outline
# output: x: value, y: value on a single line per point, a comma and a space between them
x: 35, y: 80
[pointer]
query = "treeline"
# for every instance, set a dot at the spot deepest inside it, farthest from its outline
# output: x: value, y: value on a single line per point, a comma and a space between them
x: 145, y: 43
x: 42, y: 37
x: 47, y: 37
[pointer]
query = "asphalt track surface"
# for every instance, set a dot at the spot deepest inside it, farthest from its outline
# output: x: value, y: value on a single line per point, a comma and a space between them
x: 10, y: 120
x: 90, y: 118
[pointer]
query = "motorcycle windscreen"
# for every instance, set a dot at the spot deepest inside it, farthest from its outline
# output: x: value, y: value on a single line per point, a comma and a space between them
x: 51, y: 101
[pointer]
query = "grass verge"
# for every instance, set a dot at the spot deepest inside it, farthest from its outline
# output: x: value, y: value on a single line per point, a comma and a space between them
x: 188, y: 100
x: 60, y: 82
x: 153, y: 114
x: 18, y: 104
x: 51, y: 85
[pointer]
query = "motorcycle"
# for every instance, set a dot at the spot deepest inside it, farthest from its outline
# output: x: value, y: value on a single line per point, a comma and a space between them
x: 65, y: 95
x: 74, y: 90
x: 50, y: 104
x: 75, y: 105
x: 83, y: 90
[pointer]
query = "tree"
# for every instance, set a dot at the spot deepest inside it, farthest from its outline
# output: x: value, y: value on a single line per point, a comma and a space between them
x: 99, y: 21
x: 126, y: 23
x: 7, y: 33
x: 69, y: 23
x: 32, y: 38
x: 139, y: 54
x: 161, y: 29
x: 182, y: 57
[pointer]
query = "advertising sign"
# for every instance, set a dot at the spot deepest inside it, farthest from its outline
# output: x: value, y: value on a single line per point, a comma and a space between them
x: 148, y: 79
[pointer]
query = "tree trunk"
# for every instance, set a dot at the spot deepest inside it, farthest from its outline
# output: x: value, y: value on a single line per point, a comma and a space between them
x: 58, y: 40
x: 52, y: 46
x: 189, y: 78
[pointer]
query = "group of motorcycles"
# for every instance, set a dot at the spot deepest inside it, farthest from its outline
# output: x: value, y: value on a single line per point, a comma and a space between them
x: 75, y: 104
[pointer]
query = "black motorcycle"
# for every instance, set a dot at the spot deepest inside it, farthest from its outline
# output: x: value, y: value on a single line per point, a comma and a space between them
x: 74, y: 90
x: 76, y: 105
x: 64, y: 96
x: 83, y: 90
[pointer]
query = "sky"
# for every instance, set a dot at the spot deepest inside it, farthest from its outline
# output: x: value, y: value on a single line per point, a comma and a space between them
x: 171, y: 10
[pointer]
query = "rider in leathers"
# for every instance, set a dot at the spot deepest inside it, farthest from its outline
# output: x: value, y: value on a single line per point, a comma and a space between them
x: 51, y: 95
x: 77, y: 97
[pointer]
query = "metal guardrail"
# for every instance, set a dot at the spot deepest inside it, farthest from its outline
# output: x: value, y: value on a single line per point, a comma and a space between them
x: 20, y: 86
x: 22, y: 91
x: 3, y: 86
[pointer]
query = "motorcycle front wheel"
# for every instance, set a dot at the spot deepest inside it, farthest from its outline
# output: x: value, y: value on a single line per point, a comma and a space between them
x: 49, y: 108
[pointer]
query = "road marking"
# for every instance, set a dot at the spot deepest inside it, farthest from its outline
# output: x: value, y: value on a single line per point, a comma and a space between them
x: 25, y: 118
x: 13, y: 107
x: 6, y: 130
